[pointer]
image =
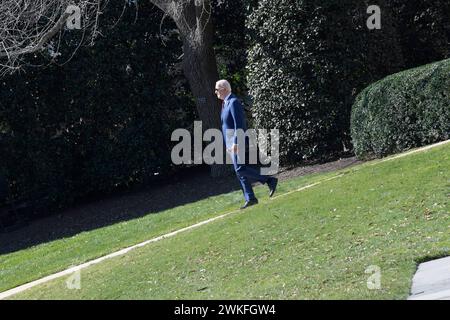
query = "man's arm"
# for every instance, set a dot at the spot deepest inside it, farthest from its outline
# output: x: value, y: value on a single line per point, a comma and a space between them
x: 237, y: 112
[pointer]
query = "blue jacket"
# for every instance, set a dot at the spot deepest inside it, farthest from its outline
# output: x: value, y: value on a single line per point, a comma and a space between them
x: 233, y: 117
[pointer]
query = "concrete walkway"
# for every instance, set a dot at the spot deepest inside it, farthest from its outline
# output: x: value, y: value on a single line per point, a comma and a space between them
x: 432, y: 281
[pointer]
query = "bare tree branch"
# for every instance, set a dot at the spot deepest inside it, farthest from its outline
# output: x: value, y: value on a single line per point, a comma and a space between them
x: 27, y: 26
x: 164, y: 5
x: 38, y: 46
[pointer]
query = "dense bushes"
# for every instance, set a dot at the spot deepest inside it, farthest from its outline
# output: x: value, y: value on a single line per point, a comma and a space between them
x: 405, y: 110
x: 310, y: 58
x: 230, y: 41
x: 100, y: 122
x: 424, y: 27
x: 104, y: 119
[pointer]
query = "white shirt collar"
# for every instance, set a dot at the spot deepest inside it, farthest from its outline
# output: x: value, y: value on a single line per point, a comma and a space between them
x: 226, y: 98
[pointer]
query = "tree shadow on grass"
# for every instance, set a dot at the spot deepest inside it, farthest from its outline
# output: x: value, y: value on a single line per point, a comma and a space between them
x: 194, y: 184
x: 190, y: 186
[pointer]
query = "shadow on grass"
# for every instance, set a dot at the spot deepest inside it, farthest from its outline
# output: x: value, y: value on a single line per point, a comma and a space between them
x: 428, y: 258
x: 192, y: 185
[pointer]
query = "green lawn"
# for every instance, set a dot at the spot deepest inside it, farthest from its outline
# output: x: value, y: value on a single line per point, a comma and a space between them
x: 313, y: 244
x: 45, y: 259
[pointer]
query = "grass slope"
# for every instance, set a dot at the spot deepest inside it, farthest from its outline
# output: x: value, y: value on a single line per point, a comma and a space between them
x: 36, y: 262
x: 313, y: 244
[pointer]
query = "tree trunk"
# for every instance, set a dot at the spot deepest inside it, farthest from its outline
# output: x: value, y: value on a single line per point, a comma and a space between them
x: 193, y: 19
x: 200, y: 68
x: 199, y: 65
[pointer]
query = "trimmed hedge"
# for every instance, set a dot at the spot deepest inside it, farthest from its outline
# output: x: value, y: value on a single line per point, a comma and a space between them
x: 308, y: 59
x: 405, y: 110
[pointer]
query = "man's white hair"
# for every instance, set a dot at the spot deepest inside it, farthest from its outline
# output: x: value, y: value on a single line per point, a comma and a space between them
x: 224, y: 84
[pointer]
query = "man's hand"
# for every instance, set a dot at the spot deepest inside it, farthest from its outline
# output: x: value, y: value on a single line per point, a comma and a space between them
x: 233, y: 149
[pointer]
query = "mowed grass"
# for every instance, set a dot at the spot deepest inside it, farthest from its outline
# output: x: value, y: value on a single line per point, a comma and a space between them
x: 313, y: 244
x: 34, y: 263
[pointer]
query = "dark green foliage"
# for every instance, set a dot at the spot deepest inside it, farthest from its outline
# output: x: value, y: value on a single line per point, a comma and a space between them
x: 405, y: 110
x: 307, y: 62
x: 231, y: 43
x: 424, y: 27
x: 100, y: 122
x: 104, y: 120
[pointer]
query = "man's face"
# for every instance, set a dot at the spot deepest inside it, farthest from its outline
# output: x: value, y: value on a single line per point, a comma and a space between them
x: 221, y: 92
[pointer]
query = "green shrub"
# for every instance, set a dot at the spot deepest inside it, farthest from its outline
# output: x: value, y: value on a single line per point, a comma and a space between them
x: 230, y: 43
x: 308, y: 60
x: 405, y: 110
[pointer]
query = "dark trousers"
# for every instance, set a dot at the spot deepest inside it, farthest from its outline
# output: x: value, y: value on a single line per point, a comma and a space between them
x: 246, y: 174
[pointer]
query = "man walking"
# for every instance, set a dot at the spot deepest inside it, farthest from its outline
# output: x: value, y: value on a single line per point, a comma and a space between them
x: 233, y: 118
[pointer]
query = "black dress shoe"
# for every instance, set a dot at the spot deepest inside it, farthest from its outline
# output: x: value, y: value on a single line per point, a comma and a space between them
x: 272, y: 183
x: 249, y: 203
